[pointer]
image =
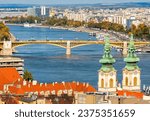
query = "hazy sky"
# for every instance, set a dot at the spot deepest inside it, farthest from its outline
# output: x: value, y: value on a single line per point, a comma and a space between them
x: 66, y: 1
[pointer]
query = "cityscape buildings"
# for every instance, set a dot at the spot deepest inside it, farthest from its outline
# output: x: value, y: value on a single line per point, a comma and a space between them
x: 109, y: 92
x: 42, y: 11
x: 123, y: 16
x: 12, y: 12
x: 15, y: 89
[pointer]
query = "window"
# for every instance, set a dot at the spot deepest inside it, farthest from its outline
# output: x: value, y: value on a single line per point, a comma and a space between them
x: 102, y: 83
x: 135, y: 81
x: 126, y: 81
x: 111, y: 83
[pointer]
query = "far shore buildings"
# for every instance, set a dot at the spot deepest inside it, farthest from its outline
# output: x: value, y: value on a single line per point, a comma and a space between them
x: 15, y: 90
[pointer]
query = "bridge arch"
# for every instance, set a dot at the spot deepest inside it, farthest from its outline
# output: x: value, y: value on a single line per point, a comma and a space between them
x: 19, y: 45
x: 80, y: 45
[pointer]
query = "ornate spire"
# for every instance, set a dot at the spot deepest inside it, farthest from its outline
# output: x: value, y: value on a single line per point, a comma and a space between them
x: 107, y: 59
x: 131, y: 58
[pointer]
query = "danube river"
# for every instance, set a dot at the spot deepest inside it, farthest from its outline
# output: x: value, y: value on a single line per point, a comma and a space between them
x: 49, y: 63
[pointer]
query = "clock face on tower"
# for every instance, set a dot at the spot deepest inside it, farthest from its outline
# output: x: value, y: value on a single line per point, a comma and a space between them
x: 135, y: 72
x: 111, y: 74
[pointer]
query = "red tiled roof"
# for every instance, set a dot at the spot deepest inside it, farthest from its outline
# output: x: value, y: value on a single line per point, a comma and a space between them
x: 9, y: 76
x: 79, y: 87
x: 130, y: 93
x: 1, y: 87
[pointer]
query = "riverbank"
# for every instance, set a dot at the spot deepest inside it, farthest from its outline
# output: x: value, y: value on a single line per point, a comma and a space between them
x: 77, y: 29
x: 100, y: 34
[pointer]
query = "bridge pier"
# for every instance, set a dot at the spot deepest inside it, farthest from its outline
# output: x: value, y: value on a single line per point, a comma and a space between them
x: 125, y: 48
x: 7, y: 48
x: 68, y: 48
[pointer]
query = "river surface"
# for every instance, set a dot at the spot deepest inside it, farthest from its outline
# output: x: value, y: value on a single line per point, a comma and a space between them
x: 49, y: 63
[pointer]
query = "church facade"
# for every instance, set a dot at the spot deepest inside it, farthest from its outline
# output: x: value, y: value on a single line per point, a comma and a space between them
x: 107, y: 74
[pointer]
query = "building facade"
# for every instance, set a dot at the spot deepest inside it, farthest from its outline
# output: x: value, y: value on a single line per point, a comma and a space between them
x: 107, y: 74
x: 131, y: 72
x: 18, y: 63
x: 42, y: 11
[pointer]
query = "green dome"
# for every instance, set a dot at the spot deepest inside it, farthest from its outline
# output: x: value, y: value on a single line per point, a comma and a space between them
x: 131, y: 59
x: 107, y: 60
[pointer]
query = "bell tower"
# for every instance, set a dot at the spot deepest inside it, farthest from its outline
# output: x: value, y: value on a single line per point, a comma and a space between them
x: 107, y: 73
x: 131, y: 72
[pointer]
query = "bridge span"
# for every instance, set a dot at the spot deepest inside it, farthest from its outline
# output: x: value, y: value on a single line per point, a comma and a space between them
x: 7, y: 47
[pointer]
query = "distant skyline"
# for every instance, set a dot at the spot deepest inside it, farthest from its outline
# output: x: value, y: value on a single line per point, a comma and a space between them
x: 67, y: 1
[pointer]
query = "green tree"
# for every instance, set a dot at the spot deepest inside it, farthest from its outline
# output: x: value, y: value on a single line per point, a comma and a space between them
x: 28, y: 76
x: 4, y: 32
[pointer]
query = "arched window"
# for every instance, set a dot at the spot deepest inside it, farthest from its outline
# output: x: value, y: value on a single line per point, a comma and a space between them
x: 102, y: 83
x: 111, y: 83
x: 126, y: 81
x: 135, y: 81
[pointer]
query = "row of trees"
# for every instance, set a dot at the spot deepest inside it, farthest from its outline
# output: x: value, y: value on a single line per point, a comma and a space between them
x: 4, y: 32
x: 141, y: 31
x: 21, y: 20
x: 107, y: 25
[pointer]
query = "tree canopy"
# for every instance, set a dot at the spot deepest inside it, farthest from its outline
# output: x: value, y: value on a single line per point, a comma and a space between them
x: 4, y: 32
x: 28, y: 76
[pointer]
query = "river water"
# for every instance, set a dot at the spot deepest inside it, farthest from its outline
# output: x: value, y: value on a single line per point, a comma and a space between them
x: 49, y: 63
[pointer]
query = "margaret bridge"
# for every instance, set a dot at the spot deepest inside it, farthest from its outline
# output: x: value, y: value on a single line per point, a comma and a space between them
x: 7, y: 47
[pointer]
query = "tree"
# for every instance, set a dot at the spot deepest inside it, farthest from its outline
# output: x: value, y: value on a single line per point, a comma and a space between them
x: 4, y: 32
x: 28, y: 76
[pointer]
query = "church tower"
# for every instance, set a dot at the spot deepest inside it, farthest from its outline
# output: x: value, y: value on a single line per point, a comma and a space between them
x: 107, y: 74
x: 131, y: 72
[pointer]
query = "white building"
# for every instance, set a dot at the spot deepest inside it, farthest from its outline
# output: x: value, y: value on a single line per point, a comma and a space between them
x: 18, y: 63
x: 107, y: 81
x: 131, y: 73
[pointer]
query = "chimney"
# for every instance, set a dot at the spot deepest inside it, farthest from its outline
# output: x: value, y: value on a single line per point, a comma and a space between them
x: 45, y: 84
x: 63, y: 82
x: 41, y: 84
x: 78, y: 83
x: 83, y: 83
x: 87, y: 84
x: 24, y: 82
x: 34, y: 82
